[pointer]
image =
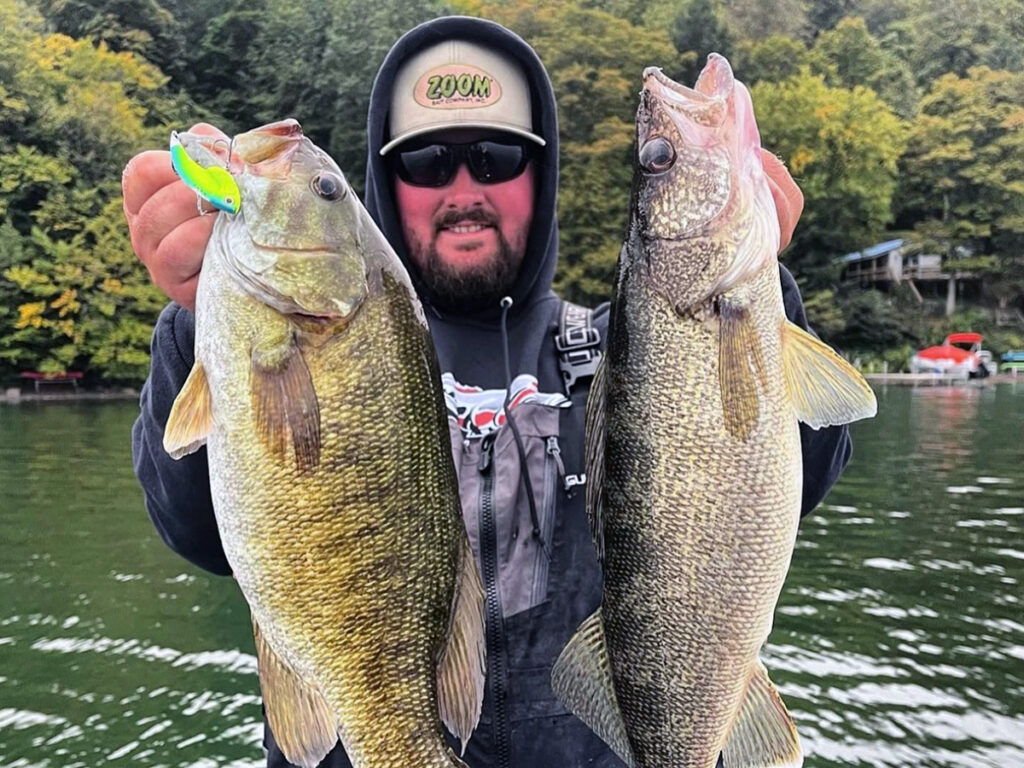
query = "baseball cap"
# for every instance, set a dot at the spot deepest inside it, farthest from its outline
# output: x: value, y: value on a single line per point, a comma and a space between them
x: 459, y: 84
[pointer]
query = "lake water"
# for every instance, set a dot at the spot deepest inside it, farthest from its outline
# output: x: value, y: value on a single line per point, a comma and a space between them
x: 899, y: 640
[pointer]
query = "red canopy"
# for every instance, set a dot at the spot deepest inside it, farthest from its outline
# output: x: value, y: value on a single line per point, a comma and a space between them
x: 963, y: 338
x: 945, y: 352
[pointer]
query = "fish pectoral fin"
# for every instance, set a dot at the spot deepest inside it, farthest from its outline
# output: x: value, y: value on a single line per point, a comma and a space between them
x: 191, y: 417
x: 461, y: 671
x: 594, y: 431
x: 285, y: 402
x: 763, y: 734
x: 825, y: 389
x: 300, y: 719
x: 582, y: 680
x: 740, y: 368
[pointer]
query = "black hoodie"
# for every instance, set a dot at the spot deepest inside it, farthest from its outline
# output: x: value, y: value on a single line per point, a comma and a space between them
x: 522, y: 724
x: 466, y: 344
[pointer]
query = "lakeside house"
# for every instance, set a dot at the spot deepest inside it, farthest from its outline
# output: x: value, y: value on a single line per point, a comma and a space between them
x: 894, y: 262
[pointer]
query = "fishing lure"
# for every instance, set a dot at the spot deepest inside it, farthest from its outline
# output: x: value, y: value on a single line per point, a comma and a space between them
x: 213, y: 184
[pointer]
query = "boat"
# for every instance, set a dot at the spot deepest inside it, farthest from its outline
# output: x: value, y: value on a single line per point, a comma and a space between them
x: 1013, y: 361
x: 959, y: 353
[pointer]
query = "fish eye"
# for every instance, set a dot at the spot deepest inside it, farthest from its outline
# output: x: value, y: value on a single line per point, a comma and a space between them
x: 328, y: 186
x: 657, y: 155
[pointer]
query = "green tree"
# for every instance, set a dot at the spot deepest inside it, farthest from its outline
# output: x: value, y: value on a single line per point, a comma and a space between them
x: 71, y: 114
x: 824, y: 14
x: 940, y: 36
x: 758, y: 19
x: 849, y: 55
x: 698, y: 30
x: 963, y: 172
x: 774, y: 59
x: 144, y: 27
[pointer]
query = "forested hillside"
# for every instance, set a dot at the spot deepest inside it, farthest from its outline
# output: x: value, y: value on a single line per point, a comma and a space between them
x: 897, y: 118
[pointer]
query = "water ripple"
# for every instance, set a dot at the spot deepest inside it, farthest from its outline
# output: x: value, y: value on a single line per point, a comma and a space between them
x: 224, y: 661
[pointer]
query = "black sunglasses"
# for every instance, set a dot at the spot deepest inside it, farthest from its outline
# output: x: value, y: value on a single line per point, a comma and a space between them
x: 433, y: 165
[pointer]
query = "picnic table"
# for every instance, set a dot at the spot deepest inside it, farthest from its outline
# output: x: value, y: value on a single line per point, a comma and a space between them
x: 63, y: 377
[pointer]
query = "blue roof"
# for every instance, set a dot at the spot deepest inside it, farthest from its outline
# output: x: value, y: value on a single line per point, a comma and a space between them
x: 873, y: 251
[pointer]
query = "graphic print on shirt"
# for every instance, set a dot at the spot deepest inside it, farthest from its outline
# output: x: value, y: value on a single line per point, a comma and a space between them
x: 481, y: 411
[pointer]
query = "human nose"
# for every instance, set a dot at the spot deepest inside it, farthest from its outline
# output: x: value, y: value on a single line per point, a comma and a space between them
x: 464, y: 190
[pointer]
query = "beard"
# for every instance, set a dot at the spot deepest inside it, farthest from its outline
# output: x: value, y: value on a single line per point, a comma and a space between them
x: 468, y: 289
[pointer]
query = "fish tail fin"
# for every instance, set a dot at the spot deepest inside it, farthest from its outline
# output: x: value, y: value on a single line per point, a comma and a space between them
x: 825, y: 389
x: 763, y: 734
x: 582, y: 680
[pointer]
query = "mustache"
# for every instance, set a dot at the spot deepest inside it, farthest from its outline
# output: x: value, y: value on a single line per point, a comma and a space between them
x: 468, y: 216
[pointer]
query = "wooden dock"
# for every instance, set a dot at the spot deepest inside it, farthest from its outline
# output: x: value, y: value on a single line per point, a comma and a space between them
x: 920, y: 379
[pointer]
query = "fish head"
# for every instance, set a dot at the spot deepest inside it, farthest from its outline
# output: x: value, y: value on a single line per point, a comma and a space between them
x: 699, y: 187
x: 298, y: 243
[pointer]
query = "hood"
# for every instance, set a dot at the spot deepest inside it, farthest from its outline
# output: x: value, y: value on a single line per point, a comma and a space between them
x: 534, y: 280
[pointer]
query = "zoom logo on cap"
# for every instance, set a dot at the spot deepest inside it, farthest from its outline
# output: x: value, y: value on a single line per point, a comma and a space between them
x: 456, y: 86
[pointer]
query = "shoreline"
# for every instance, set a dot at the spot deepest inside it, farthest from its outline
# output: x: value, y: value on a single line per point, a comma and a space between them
x: 15, y: 396
x: 939, y: 379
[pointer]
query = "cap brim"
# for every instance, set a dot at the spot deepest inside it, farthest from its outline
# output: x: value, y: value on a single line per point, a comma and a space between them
x: 424, y: 129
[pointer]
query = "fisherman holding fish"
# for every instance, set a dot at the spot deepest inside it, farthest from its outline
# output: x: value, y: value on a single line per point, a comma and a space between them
x: 462, y: 179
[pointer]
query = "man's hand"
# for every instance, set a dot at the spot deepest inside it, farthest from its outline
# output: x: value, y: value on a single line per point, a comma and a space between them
x: 789, y: 200
x: 168, y: 234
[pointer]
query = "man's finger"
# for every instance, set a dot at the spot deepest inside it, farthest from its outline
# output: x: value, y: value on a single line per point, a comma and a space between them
x: 145, y: 173
x: 180, y: 253
x: 185, y: 293
x: 205, y: 129
x: 164, y: 210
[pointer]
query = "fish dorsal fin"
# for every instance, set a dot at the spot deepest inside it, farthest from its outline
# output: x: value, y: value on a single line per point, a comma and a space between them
x: 763, y: 734
x: 740, y: 369
x: 284, y: 400
x: 582, y: 680
x: 594, y: 455
x: 461, y: 671
x: 300, y: 719
x: 191, y: 417
x: 825, y: 389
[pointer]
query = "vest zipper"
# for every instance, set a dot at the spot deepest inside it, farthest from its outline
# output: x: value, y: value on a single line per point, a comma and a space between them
x: 495, y: 628
x: 553, y: 469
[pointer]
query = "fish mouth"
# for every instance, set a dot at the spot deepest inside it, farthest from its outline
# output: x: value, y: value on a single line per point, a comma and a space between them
x: 705, y: 103
x: 666, y: 87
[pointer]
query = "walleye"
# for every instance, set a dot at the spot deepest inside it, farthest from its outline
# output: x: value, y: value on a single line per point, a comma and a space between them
x: 693, y: 447
x: 317, y: 394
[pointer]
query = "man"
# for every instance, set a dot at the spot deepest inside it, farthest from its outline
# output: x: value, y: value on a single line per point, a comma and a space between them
x: 462, y: 179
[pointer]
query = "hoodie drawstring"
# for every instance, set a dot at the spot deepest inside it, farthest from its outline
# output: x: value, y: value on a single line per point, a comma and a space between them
x: 506, y: 304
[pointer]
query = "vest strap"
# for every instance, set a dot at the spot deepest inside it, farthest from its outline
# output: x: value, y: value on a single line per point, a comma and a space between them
x: 578, y: 343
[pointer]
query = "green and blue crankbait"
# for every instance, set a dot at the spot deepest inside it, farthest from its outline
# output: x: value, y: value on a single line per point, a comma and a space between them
x: 213, y: 184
